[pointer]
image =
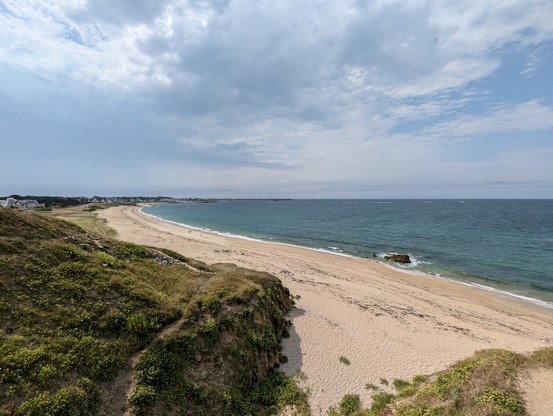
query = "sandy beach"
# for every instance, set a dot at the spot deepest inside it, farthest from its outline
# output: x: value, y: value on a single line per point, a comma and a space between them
x: 388, y: 324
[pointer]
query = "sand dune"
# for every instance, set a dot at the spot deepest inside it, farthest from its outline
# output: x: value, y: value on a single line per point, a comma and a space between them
x: 388, y: 324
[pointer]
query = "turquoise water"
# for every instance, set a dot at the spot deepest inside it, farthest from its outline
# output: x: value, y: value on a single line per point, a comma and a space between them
x: 502, y: 244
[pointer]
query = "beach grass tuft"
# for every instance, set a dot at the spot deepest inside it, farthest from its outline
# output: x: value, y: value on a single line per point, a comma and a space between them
x: 344, y: 360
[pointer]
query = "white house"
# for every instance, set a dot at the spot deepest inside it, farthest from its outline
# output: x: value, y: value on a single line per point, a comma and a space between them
x: 23, y: 204
x: 27, y: 204
x: 10, y: 203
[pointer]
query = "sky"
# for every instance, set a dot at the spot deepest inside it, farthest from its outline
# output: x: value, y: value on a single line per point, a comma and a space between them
x: 276, y: 98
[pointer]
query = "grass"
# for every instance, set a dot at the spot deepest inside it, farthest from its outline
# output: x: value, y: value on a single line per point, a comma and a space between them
x: 344, y: 360
x: 212, y: 364
x: 84, y: 216
x: 75, y: 307
x: 483, y: 384
x: 349, y: 405
x: 371, y: 386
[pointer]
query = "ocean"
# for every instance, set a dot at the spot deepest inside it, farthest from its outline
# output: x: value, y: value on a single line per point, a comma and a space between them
x: 504, y: 246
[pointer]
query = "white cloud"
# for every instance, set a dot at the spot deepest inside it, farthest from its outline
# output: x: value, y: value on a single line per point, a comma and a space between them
x: 246, y: 93
x: 509, y: 166
x: 528, y: 116
x: 400, y: 49
x: 41, y: 38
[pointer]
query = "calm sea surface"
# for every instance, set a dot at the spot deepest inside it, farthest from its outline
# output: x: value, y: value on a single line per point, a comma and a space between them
x: 505, y: 245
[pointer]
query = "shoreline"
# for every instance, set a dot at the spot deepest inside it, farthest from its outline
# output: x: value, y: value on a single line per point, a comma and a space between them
x: 389, y: 324
x: 414, y: 272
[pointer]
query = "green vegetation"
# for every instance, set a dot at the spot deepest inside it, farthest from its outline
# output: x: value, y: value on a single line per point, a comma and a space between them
x: 371, y: 386
x: 349, y: 405
x: 344, y: 360
x: 219, y: 360
x: 379, y: 402
x: 85, y: 217
x: 484, y: 384
x: 75, y: 307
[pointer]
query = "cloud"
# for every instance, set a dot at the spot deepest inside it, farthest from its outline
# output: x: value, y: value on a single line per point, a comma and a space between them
x: 419, y: 48
x: 528, y: 116
x: 45, y: 40
x: 121, y: 11
x: 250, y: 94
x: 268, y: 53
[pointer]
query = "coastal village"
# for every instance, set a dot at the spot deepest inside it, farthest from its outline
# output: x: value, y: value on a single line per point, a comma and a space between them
x: 21, y: 204
x: 51, y: 202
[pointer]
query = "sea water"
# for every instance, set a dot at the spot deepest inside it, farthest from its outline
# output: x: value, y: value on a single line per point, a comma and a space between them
x: 502, y: 245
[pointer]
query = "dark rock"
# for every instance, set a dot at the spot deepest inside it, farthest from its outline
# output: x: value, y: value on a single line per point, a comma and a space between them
x: 398, y: 258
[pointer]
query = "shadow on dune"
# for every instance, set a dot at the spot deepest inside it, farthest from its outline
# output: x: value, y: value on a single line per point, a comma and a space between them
x: 292, y: 346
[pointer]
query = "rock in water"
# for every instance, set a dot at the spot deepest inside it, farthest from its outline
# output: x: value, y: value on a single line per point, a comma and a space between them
x: 399, y: 258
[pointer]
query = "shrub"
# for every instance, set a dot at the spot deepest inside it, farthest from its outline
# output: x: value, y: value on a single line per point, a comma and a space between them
x: 501, y: 402
x: 108, y: 260
x: 380, y: 401
x: 67, y: 401
x: 419, y: 379
x: 344, y: 360
x: 350, y: 404
x: 400, y: 384
x: 543, y: 357
x: 69, y: 252
x: 138, y: 323
x: 209, y: 329
x: 113, y: 321
x: 279, y: 390
x: 407, y: 391
x: 125, y: 250
x: 211, y: 302
x: 407, y: 409
x: 142, y: 396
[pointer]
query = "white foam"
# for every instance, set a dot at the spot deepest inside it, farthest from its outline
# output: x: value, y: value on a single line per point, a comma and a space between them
x: 406, y: 266
x: 244, y: 237
x: 504, y: 293
x: 499, y: 292
x: 320, y: 250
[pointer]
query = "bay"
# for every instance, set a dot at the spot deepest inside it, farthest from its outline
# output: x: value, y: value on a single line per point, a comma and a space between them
x: 503, y: 245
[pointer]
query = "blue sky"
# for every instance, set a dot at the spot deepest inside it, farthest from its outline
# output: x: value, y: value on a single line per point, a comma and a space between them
x: 259, y: 98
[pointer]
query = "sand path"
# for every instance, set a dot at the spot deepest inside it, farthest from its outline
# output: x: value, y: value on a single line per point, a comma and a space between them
x: 536, y: 386
x: 387, y: 323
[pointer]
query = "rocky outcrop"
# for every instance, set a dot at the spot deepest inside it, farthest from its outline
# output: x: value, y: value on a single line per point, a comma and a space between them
x: 398, y: 258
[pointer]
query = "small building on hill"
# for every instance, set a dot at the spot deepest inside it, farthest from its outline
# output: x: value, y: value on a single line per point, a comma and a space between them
x: 21, y: 204
x: 27, y: 204
x: 10, y: 203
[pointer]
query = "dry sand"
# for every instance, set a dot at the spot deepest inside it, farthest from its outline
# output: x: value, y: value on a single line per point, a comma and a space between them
x: 537, y: 386
x: 388, y: 324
